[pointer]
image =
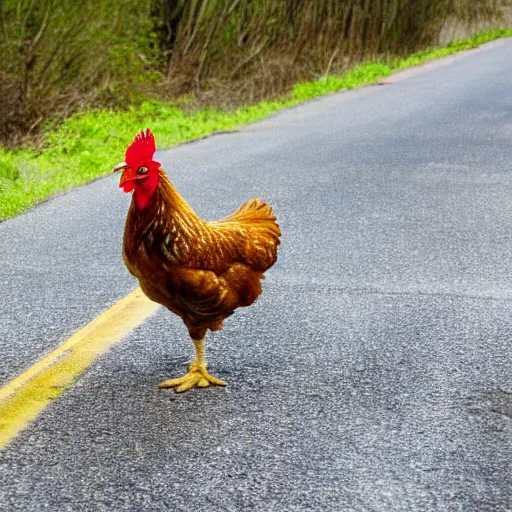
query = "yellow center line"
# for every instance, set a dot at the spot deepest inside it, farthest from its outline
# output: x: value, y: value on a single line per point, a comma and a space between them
x: 26, y: 396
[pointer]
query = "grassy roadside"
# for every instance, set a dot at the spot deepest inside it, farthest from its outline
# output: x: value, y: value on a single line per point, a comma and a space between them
x: 88, y: 144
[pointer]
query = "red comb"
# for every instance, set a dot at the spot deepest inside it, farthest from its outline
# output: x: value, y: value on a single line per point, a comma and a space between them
x: 141, y: 150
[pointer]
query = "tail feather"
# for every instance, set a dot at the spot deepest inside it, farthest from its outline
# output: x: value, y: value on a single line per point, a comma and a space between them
x: 261, y: 245
x: 255, y: 211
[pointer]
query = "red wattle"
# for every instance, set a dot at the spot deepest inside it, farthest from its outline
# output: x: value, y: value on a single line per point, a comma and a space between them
x: 127, y: 186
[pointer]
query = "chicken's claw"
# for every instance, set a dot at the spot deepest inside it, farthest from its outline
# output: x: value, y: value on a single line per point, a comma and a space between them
x: 197, y: 377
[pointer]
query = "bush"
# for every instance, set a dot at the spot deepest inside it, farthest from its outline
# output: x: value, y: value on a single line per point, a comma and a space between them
x: 58, y: 57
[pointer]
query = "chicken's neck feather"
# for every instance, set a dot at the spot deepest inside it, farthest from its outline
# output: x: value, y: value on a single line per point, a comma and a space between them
x: 167, y: 213
x: 171, y: 205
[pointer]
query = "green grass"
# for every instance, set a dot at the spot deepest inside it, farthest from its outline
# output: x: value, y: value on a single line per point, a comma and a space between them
x: 87, y: 145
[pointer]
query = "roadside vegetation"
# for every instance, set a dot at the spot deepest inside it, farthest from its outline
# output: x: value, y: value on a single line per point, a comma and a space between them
x: 78, y: 80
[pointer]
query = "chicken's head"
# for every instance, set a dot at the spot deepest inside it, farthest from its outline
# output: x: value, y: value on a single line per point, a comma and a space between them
x: 140, y: 171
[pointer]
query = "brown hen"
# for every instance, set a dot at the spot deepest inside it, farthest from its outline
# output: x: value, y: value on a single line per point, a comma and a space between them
x: 201, y: 271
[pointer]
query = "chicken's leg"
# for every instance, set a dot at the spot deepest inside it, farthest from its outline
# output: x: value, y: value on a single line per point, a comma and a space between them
x: 197, y: 376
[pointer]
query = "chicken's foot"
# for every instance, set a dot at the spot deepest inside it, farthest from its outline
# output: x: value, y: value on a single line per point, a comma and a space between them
x: 197, y: 375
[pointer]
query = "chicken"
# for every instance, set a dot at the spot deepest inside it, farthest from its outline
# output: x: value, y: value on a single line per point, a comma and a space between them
x: 201, y: 271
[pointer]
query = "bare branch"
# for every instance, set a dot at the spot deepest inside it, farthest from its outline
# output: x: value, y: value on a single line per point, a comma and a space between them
x: 248, y: 59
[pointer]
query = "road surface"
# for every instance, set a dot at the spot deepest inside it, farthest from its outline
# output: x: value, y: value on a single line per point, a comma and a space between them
x: 374, y: 374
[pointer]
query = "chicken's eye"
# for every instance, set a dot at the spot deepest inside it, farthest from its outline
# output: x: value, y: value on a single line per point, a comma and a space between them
x: 142, y: 170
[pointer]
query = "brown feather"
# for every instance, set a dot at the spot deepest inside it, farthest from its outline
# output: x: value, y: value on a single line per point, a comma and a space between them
x: 200, y: 270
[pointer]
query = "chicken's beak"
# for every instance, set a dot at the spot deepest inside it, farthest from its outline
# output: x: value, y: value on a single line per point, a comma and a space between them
x: 119, y: 167
x: 127, y: 176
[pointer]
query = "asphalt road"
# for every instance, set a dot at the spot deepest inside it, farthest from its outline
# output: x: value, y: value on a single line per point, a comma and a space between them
x: 374, y: 374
